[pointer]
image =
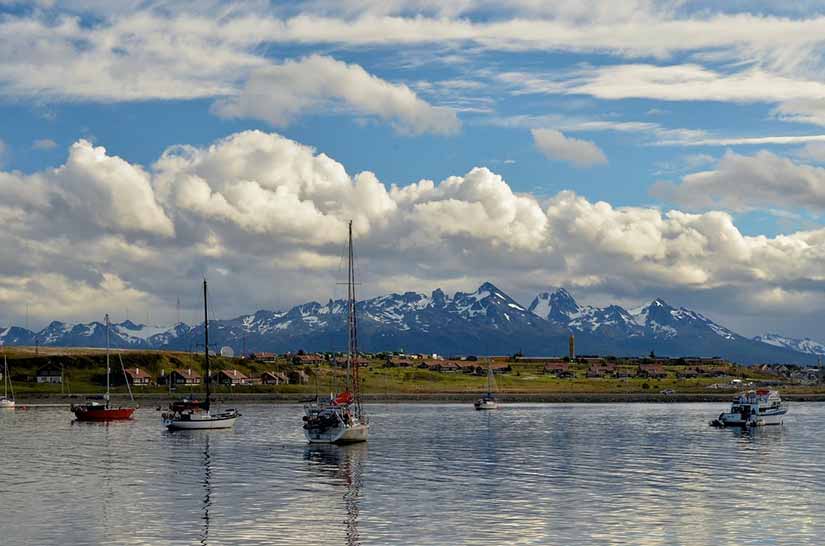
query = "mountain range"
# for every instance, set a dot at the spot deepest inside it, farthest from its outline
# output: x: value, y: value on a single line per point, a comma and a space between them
x: 484, y: 322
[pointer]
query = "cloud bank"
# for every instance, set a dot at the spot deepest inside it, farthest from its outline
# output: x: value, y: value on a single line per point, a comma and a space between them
x: 265, y: 217
x: 741, y: 183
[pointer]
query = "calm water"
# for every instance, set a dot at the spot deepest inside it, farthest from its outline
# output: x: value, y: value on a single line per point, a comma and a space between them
x: 436, y: 475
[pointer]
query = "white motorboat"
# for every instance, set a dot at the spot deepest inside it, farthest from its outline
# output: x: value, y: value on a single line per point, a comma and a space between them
x: 753, y: 409
x: 341, y: 419
x: 5, y: 401
x: 488, y: 401
x: 189, y: 415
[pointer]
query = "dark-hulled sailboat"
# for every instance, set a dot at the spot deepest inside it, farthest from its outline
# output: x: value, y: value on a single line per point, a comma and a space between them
x: 198, y: 416
x: 341, y: 419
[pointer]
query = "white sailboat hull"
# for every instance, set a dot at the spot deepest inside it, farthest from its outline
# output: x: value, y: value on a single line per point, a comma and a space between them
x: 6, y: 403
x: 202, y: 422
x: 485, y: 405
x: 342, y: 434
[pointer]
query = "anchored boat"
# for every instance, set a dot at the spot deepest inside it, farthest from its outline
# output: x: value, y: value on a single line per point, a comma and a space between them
x: 341, y: 419
x: 5, y: 401
x: 753, y: 409
x: 191, y: 414
x: 488, y: 400
x: 99, y: 408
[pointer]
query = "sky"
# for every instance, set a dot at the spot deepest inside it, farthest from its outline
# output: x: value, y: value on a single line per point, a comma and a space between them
x: 622, y: 150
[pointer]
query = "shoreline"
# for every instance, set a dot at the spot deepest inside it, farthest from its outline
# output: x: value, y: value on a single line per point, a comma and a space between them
x: 427, y: 398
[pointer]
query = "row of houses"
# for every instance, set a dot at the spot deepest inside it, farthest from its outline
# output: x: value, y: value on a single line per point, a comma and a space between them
x: 646, y: 371
x: 309, y: 359
x: 231, y: 378
x: 139, y: 377
x: 688, y: 361
x: 607, y: 369
x: 450, y: 366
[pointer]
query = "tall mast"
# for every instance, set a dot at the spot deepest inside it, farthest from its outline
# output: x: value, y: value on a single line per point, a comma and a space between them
x: 206, y: 343
x: 108, y: 371
x: 352, y: 342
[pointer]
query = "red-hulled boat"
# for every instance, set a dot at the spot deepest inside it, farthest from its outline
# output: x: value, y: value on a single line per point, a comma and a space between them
x: 94, y: 410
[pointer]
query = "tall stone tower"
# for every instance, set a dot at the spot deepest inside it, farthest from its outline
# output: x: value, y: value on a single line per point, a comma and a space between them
x: 572, y: 354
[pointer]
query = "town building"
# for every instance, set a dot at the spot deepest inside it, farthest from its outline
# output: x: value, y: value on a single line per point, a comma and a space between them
x: 274, y: 378
x: 180, y: 376
x: 308, y: 359
x: 651, y: 371
x: 50, y: 373
x: 138, y: 377
x: 560, y: 370
x: 230, y: 378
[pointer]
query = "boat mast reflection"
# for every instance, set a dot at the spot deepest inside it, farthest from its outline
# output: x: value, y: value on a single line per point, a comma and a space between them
x: 345, y: 465
x: 207, y: 492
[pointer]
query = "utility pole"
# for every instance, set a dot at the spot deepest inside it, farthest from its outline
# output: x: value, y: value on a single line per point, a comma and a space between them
x: 177, y: 310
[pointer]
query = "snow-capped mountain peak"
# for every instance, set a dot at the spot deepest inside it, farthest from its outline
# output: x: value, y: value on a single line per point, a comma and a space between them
x: 805, y: 345
x: 486, y: 321
x: 556, y: 305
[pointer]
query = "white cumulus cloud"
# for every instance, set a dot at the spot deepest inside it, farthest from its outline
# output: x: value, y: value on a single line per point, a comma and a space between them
x: 556, y: 145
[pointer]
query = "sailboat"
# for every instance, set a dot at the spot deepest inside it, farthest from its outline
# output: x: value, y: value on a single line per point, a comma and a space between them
x: 341, y: 419
x: 198, y: 416
x: 94, y: 410
x: 488, y: 400
x: 5, y: 401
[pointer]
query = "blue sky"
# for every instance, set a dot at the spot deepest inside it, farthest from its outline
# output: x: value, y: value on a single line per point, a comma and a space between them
x: 715, y: 111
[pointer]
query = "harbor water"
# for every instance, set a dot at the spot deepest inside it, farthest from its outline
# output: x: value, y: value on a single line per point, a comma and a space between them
x: 563, y: 474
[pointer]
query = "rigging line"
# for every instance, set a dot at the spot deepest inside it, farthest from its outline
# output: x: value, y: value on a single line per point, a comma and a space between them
x: 126, y: 377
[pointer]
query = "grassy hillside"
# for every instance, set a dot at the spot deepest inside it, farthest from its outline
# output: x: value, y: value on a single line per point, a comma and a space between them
x: 84, y: 372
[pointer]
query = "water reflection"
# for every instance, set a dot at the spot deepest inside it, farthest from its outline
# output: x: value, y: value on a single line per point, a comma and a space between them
x: 207, y: 492
x: 345, y: 465
x: 600, y: 475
